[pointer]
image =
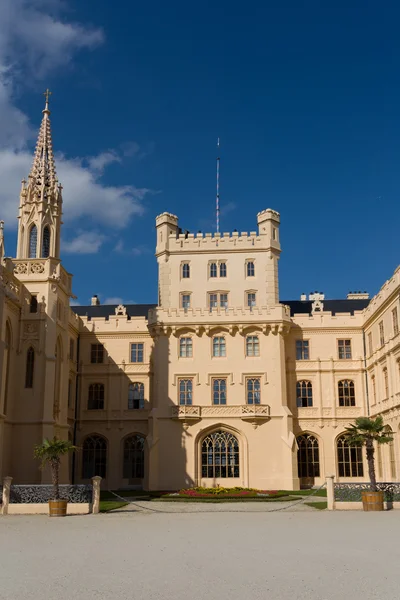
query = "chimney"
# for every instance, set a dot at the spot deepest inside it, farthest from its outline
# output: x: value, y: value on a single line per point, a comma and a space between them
x: 303, y: 297
x: 95, y: 300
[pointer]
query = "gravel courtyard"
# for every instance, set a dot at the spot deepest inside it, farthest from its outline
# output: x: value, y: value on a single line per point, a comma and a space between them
x: 141, y: 554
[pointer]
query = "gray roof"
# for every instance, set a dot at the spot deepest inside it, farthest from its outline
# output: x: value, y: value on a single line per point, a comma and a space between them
x: 332, y: 306
x: 105, y: 310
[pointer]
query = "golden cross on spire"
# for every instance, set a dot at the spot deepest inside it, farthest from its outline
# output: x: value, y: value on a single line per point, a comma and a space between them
x: 46, y: 94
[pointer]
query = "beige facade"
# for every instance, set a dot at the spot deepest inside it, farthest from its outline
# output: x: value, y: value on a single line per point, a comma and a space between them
x: 219, y: 383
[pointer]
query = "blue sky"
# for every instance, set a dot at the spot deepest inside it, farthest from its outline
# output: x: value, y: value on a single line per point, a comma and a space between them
x: 305, y: 97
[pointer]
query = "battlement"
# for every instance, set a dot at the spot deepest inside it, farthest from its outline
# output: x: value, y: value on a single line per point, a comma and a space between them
x: 268, y: 214
x: 219, y: 315
x: 388, y: 288
x: 212, y: 241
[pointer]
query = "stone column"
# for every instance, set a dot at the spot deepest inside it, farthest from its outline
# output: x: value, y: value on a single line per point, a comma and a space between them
x: 6, y: 495
x: 96, y: 482
x: 330, y: 492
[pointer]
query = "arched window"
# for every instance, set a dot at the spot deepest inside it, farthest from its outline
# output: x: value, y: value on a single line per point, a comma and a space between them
x: 213, y: 270
x: 96, y: 396
x: 94, y: 457
x: 185, y: 271
x: 346, y: 393
x: 252, y: 345
x: 222, y: 269
x: 135, y: 396
x: 350, y: 459
x: 250, y: 269
x: 220, y: 455
x: 30, y: 367
x: 134, y: 457
x: 219, y: 346
x: 46, y: 242
x: 304, y: 397
x: 32, y: 242
x: 308, y: 456
x: 6, y: 365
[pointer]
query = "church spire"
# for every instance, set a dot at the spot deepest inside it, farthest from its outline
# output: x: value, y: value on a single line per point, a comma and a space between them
x: 41, y: 199
x: 42, y: 178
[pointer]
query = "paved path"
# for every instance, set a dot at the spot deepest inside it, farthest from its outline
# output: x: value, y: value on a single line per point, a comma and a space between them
x: 204, y: 556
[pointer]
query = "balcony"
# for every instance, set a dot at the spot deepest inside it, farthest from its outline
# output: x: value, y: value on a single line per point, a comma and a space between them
x: 252, y: 413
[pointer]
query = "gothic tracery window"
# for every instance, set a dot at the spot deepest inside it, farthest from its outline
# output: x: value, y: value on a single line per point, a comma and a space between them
x: 220, y: 455
x: 46, y: 242
x: 346, y: 393
x: 133, y: 467
x: 304, y: 394
x: 308, y: 456
x: 94, y: 457
x: 32, y: 242
x: 136, y: 396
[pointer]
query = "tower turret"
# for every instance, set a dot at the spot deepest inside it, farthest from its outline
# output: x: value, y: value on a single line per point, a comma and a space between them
x: 40, y: 205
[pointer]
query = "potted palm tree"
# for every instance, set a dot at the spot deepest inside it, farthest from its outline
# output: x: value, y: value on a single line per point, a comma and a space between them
x: 365, y: 432
x: 50, y: 452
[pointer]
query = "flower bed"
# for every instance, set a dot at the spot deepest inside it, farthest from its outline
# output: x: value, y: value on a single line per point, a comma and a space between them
x: 224, y: 493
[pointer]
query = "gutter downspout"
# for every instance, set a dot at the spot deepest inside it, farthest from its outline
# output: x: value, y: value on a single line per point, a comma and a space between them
x: 366, y: 375
x: 76, y: 409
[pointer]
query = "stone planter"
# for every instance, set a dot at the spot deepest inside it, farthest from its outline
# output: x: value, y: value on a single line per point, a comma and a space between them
x: 372, y: 501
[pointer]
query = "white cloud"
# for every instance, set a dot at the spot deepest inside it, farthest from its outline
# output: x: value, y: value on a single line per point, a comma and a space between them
x: 35, y: 39
x: 86, y: 242
x: 137, y: 251
x: 117, y: 300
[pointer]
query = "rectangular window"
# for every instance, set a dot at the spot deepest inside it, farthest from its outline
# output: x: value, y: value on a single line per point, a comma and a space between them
x: 251, y: 299
x: 344, y: 349
x: 97, y: 353
x: 185, y: 347
x: 223, y: 300
x: 395, y: 319
x: 219, y: 391
x: 137, y: 352
x: 370, y: 349
x: 213, y: 301
x: 222, y: 269
x: 381, y: 333
x: 386, y: 383
x: 252, y: 345
x: 373, y: 382
x: 253, y: 390
x: 71, y: 349
x: 213, y: 270
x: 250, y: 269
x: 219, y: 346
x: 185, y: 392
x: 33, y: 307
x: 185, y: 301
x: 185, y: 271
x: 302, y: 350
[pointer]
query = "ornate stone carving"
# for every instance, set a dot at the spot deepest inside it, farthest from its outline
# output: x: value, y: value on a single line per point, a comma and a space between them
x: 120, y: 310
x: 21, y: 268
x: 37, y: 267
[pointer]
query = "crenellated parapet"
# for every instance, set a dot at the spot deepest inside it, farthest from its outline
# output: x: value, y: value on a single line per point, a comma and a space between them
x: 385, y: 294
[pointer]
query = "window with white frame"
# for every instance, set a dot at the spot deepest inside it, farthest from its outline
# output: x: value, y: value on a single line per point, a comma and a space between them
x: 219, y: 391
x: 253, y: 390
x: 219, y: 346
x: 213, y: 269
x: 185, y: 270
x: 136, y: 396
x: 222, y: 269
x: 252, y: 345
x: 185, y: 392
x: 137, y: 352
x: 304, y: 394
x: 250, y: 268
x: 185, y: 347
x: 395, y: 319
x: 344, y: 349
x: 185, y: 300
x: 302, y: 350
x: 251, y: 299
x: 381, y: 333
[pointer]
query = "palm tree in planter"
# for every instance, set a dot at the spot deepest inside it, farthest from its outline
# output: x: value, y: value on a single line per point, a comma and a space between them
x: 365, y: 432
x: 50, y: 453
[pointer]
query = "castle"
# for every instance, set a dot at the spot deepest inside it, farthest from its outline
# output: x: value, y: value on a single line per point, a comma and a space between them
x: 219, y: 383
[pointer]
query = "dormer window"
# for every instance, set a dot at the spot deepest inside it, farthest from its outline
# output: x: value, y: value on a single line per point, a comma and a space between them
x: 185, y: 271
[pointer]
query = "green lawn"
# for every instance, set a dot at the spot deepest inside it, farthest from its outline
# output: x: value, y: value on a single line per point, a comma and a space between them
x: 107, y: 505
x: 317, y: 505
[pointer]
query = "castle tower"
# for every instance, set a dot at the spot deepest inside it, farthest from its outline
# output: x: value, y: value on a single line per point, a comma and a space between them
x: 41, y: 200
